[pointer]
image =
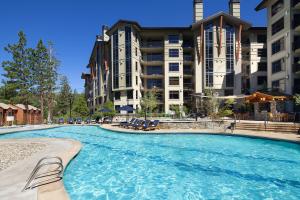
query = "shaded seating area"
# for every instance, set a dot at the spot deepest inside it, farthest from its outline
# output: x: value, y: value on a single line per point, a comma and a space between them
x: 271, y: 106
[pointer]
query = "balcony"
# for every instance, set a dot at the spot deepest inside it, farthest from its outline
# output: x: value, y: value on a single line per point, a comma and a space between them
x: 152, y: 46
x: 152, y: 76
x: 188, y: 46
x: 154, y: 60
x: 296, y: 4
x: 296, y: 23
x: 296, y: 46
x: 296, y: 67
x: 188, y: 86
x: 188, y: 59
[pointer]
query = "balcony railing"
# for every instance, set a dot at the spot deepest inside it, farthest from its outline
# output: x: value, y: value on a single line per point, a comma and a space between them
x: 295, y: 2
x: 188, y: 58
x: 151, y: 58
x: 187, y: 45
x: 152, y: 44
x: 188, y: 72
x: 188, y: 86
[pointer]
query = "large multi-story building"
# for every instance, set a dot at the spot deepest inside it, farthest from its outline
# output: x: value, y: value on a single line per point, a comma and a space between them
x: 221, y: 52
x: 283, y: 31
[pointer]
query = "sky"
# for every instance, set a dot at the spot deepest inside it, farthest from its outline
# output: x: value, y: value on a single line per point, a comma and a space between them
x: 72, y: 25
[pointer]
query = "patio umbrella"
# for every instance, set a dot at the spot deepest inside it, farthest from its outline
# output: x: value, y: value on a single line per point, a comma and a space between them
x: 105, y: 110
x: 127, y: 109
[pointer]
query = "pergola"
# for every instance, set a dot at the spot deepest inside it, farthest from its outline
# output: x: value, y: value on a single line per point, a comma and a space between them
x: 270, y: 100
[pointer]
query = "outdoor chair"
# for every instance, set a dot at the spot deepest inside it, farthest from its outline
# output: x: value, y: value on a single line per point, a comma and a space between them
x: 153, y: 126
x: 139, y: 124
x: 124, y: 124
x: 135, y: 123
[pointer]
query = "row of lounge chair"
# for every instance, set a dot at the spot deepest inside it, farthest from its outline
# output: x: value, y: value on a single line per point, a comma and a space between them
x: 137, y: 124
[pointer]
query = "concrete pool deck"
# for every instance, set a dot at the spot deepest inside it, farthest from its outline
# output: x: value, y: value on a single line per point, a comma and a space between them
x: 289, y: 137
x: 14, y: 177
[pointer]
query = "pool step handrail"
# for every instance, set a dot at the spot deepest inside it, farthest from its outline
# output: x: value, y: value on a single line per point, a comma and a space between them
x: 51, y: 175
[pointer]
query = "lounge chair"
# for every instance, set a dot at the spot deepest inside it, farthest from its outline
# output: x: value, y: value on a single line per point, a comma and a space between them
x: 124, y: 124
x: 153, y: 126
x: 135, y: 123
x: 144, y: 125
x: 138, y: 124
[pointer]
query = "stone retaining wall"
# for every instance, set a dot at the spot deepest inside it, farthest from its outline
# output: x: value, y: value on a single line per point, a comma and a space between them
x: 191, y: 125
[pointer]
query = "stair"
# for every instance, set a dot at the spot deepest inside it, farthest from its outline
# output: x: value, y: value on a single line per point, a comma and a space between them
x: 274, y: 127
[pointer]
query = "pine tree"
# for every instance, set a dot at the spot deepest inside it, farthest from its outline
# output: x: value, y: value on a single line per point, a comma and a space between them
x: 63, y: 98
x: 80, y: 106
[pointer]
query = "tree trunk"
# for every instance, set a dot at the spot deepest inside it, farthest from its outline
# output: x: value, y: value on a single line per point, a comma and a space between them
x: 42, y: 107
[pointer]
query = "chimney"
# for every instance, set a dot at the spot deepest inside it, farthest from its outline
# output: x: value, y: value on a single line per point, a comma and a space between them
x: 235, y: 8
x: 198, y: 10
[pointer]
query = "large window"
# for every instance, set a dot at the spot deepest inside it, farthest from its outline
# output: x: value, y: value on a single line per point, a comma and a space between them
x: 209, y: 50
x: 261, y: 52
x: 278, y: 26
x: 261, y: 38
x: 277, y: 7
x: 154, y: 70
x: 230, y: 79
x: 278, y: 46
x: 173, y: 39
x: 278, y: 85
x: 117, y: 95
x: 229, y: 49
x: 173, y: 80
x: 262, y: 67
x: 128, y: 56
x: 116, y: 59
x: 173, y: 67
x: 130, y: 94
x: 174, y: 95
x: 278, y: 66
x: 174, y: 53
x: 262, y: 80
x: 154, y: 83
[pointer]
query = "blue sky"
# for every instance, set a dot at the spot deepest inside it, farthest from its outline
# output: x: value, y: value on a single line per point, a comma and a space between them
x: 72, y: 25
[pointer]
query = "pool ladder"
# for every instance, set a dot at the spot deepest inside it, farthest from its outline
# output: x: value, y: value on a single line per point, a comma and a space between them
x: 47, y: 170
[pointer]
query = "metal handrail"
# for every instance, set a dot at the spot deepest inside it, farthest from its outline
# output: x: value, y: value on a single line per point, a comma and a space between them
x: 53, y: 174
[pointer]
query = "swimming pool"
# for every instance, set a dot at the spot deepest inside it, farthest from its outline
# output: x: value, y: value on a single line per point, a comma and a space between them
x: 121, y: 166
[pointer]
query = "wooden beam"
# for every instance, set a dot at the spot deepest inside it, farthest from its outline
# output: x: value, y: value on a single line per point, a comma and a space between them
x: 220, y: 35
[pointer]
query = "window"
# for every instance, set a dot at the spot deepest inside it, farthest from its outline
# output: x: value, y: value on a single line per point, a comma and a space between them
x: 173, y: 39
x: 261, y: 38
x: 130, y: 94
x: 128, y: 56
x: 277, y: 66
x: 136, y: 67
x: 209, y: 51
x: 278, y: 26
x: 136, y: 80
x: 278, y: 85
x: 173, y: 80
x: 117, y: 108
x: 174, y: 95
x: 117, y: 95
x: 230, y: 80
x: 136, y: 51
x: 276, y: 7
x: 262, y: 80
x: 154, y: 70
x: 187, y: 70
x: 262, y: 67
x: 173, y: 53
x: 262, y: 52
x: 173, y: 67
x: 136, y: 94
x: 229, y: 49
x: 278, y: 46
x: 116, y: 59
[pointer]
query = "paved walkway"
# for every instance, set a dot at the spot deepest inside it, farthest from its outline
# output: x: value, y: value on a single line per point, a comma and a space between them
x: 13, y: 178
x: 25, y: 128
x: 291, y: 137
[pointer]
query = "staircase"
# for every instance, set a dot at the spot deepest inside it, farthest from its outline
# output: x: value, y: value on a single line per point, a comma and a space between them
x: 274, y: 127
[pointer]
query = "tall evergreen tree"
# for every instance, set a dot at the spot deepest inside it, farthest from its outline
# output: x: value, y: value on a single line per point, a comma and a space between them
x: 17, y: 72
x: 63, y: 98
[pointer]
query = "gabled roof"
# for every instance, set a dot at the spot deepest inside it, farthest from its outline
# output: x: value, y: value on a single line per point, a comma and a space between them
x: 7, y: 106
x: 227, y: 17
x: 261, y: 5
x: 122, y: 21
x: 30, y: 107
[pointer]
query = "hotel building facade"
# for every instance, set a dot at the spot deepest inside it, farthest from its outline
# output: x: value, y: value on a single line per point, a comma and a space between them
x: 221, y: 52
x: 283, y: 44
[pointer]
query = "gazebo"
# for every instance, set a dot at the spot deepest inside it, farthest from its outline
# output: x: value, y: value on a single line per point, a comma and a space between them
x: 270, y: 103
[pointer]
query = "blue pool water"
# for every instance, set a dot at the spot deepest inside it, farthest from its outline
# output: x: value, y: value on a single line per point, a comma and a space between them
x: 121, y: 166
